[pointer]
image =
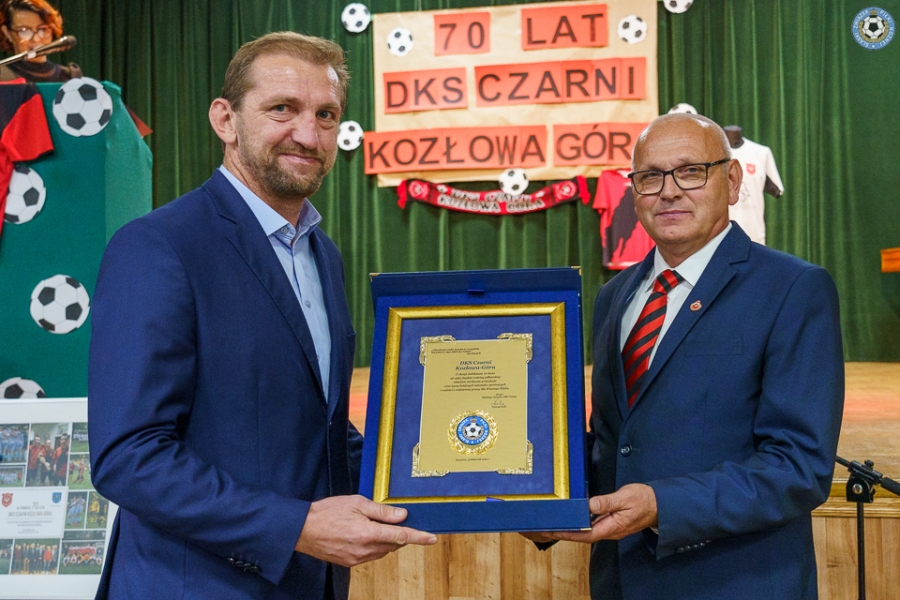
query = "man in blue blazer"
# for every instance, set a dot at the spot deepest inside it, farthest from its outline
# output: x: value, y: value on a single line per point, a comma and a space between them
x: 221, y: 357
x: 717, y: 393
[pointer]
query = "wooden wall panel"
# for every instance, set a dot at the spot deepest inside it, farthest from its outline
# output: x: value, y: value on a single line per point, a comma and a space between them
x: 476, y: 567
x: 508, y: 567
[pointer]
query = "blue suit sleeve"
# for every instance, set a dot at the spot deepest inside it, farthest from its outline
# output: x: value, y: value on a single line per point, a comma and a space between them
x: 795, y: 431
x: 142, y: 378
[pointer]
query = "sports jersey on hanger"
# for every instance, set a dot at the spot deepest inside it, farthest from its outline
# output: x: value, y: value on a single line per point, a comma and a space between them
x: 759, y: 166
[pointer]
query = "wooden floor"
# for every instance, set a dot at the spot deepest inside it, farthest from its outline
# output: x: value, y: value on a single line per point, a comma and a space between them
x: 506, y: 567
x: 871, y: 428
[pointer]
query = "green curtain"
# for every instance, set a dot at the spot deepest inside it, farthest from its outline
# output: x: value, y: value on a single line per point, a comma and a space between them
x: 791, y: 75
x: 787, y: 71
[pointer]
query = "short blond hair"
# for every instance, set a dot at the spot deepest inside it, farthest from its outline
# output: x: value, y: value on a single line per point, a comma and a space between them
x: 314, y: 50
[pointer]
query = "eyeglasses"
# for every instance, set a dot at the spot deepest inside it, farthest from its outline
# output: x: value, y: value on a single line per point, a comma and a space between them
x: 43, y: 32
x: 687, y: 177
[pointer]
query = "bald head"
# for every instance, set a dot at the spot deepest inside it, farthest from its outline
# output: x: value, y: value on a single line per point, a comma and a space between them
x: 706, y: 130
x: 681, y: 221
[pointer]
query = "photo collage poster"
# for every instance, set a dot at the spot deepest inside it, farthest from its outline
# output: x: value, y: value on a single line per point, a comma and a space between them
x: 52, y: 520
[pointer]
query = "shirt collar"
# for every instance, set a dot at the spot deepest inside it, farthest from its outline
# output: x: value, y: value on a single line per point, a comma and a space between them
x: 693, y: 266
x: 272, y: 222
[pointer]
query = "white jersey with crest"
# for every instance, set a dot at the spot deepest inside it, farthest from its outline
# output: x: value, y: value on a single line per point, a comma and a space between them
x: 758, y: 164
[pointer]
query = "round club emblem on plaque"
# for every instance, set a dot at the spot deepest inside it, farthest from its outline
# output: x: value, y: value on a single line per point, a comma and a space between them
x: 472, y: 432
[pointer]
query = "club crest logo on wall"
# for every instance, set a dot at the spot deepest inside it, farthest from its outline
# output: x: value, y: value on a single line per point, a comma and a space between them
x: 7, y: 499
x: 873, y: 28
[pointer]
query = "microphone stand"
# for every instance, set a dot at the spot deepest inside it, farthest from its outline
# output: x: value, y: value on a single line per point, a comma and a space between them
x: 64, y: 43
x: 861, y: 489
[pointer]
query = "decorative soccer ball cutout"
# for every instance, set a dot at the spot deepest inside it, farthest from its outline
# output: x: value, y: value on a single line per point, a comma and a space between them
x: 513, y: 181
x: 677, y: 6
x: 355, y: 17
x: 632, y: 29
x: 18, y: 388
x: 350, y: 135
x: 82, y: 107
x: 60, y: 304
x: 873, y: 28
x: 400, y: 42
x: 26, y: 195
x: 683, y: 107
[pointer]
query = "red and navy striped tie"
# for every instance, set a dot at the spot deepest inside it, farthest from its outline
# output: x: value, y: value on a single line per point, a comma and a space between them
x: 636, y: 353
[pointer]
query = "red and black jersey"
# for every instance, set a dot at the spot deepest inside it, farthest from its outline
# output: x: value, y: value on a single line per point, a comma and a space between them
x: 624, y: 240
x: 24, y: 134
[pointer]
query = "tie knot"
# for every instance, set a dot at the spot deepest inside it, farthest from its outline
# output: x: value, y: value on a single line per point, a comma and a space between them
x: 667, y: 280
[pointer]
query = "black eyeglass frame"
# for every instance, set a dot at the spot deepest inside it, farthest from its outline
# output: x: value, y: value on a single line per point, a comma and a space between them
x: 671, y: 172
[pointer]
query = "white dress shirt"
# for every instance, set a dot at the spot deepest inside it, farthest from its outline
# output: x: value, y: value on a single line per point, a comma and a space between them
x: 691, y: 270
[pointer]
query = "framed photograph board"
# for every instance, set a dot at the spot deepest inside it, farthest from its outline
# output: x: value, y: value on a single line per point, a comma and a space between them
x: 475, y: 418
x: 54, y: 526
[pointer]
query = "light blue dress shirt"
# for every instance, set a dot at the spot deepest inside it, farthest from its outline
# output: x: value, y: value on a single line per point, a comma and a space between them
x: 291, y: 245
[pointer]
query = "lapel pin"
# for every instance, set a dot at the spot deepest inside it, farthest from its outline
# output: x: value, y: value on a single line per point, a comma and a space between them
x: 696, y: 306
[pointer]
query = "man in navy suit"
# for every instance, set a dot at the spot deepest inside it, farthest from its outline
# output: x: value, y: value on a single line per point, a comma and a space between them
x: 717, y: 393
x: 221, y: 357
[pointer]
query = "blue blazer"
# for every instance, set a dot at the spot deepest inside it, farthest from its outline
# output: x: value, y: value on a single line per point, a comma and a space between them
x: 735, y: 430
x: 208, y: 423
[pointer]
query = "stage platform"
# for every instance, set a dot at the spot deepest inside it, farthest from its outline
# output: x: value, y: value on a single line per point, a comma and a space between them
x: 871, y: 413
x: 506, y: 566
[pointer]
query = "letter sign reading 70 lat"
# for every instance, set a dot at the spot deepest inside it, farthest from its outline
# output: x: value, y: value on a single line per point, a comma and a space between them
x: 564, y: 26
x: 462, y: 33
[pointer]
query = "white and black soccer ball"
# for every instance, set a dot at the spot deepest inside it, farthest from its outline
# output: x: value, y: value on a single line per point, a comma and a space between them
x: 473, y: 430
x: 677, y: 6
x: 26, y: 195
x: 22, y: 389
x: 400, y: 41
x: 873, y: 28
x: 632, y: 29
x: 60, y: 304
x: 350, y: 135
x: 82, y: 107
x: 355, y: 17
x: 683, y: 107
x: 513, y: 181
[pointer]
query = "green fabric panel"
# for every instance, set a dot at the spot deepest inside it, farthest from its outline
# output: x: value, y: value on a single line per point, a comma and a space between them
x: 94, y: 185
x: 787, y: 71
x: 129, y: 166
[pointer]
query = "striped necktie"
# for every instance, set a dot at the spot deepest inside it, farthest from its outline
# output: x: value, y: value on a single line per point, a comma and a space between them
x: 636, y: 353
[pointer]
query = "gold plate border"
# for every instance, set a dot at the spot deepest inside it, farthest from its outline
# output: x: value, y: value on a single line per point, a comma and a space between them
x: 396, y: 316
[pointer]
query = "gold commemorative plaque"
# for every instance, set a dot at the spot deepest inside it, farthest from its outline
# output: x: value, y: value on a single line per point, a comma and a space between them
x: 474, y: 406
x: 475, y: 418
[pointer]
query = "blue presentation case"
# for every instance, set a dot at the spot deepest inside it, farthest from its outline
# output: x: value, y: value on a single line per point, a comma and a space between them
x: 479, y: 305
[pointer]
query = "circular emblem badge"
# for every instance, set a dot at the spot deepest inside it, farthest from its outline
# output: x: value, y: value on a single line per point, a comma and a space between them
x: 417, y: 189
x: 873, y: 28
x: 472, y: 432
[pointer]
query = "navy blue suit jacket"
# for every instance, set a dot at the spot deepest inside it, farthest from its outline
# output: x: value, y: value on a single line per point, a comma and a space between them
x: 735, y: 430
x: 208, y: 423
